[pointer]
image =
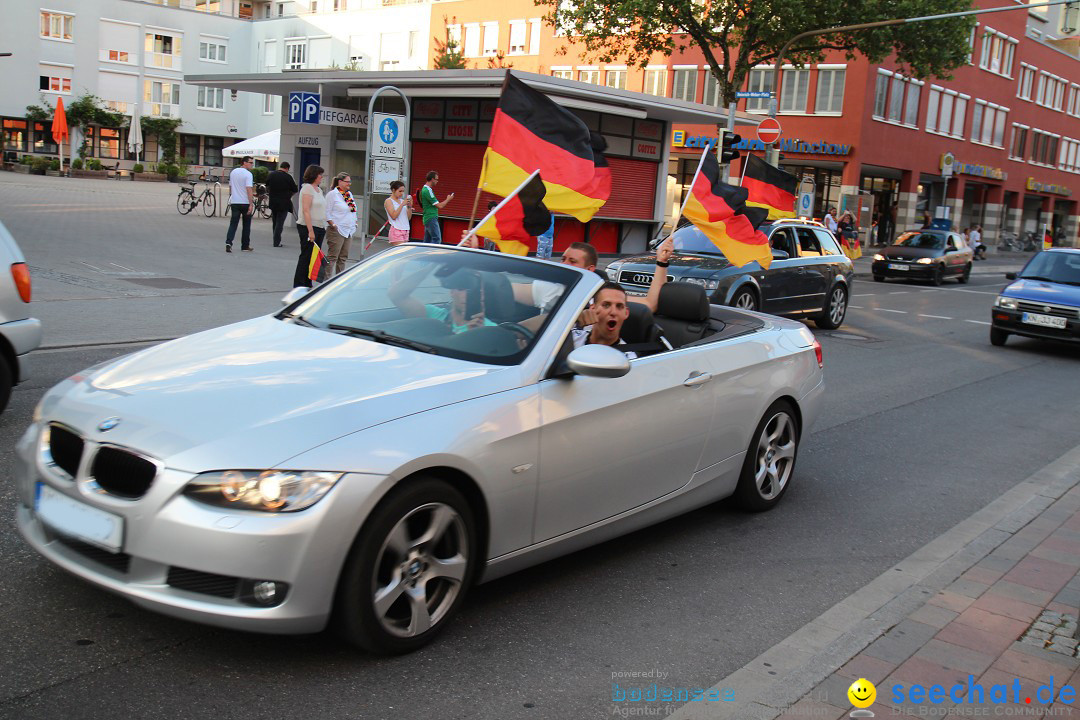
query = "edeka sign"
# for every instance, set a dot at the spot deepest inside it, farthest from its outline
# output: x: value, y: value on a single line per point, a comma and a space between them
x: 680, y: 139
x: 1035, y: 186
x: 796, y: 145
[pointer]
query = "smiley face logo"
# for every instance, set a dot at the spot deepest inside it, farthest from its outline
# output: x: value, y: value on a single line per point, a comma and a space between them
x: 862, y: 693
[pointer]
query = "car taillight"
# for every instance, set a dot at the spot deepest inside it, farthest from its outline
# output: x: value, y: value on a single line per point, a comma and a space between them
x: 21, y: 274
x: 817, y: 352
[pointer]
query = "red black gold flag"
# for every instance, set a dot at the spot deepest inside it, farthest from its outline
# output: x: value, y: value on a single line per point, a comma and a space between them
x: 719, y: 210
x: 770, y: 188
x: 523, y: 217
x: 531, y: 132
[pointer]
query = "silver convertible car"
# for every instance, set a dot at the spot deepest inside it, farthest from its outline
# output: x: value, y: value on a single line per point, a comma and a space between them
x: 417, y: 424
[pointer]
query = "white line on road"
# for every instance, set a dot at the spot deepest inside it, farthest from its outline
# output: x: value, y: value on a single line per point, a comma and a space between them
x: 855, y: 307
x: 899, y: 292
x: 978, y: 322
x: 92, y: 267
x: 900, y: 312
x: 936, y: 317
x: 122, y: 267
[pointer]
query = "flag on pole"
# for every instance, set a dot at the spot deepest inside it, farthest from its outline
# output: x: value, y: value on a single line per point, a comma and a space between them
x: 770, y: 188
x: 531, y: 132
x: 518, y: 219
x: 719, y: 210
x: 1048, y: 238
x: 851, y: 247
x: 315, y: 262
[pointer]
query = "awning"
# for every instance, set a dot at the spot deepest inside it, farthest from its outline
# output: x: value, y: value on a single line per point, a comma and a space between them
x: 260, y: 147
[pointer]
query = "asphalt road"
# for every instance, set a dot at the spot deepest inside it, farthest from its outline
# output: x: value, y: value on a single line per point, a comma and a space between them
x: 924, y: 424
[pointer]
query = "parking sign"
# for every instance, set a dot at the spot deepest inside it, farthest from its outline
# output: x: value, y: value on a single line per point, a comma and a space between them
x: 304, y: 108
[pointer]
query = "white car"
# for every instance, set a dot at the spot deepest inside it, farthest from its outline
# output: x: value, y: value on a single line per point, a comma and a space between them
x: 366, y: 454
x: 19, y: 333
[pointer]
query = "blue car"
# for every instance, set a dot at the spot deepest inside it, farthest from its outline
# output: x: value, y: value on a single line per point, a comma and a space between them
x: 1043, y: 301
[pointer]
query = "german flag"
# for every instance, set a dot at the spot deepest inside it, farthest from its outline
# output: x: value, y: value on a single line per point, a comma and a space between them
x: 315, y: 262
x: 770, y: 188
x: 719, y: 210
x: 521, y: 218
x: 531, y: 132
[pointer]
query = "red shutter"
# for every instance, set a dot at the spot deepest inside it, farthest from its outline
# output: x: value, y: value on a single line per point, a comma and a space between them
x: 633, y: 189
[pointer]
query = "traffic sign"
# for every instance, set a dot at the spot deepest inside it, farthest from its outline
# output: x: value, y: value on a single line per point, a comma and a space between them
x: 768, y: 131
x: 806, y: 204
x: 304, y: 107
x: 389, y: 138
x: 752, y: 94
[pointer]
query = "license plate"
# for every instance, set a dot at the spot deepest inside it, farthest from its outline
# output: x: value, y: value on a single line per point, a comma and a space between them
x: 1044, y: 320
x: 894, y: 266
x: 79, y: 520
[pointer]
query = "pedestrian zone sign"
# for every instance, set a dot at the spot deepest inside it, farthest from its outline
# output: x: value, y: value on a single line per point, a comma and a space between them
x: 389, y: 140
x: 304, y: 107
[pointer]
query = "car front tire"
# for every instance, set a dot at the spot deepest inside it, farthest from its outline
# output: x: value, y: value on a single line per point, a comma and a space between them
x: 835, y: 311
x: 7, y: 382
x: 745, y: 299
x: 998, y: 336
x: 966, y: 275
x: 409, y: 569
x: 879, y: 278
x: 939, y: 275
x: 770, y: 459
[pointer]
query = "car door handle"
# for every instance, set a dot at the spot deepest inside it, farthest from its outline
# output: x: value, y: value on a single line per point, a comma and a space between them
x: 697, y: 378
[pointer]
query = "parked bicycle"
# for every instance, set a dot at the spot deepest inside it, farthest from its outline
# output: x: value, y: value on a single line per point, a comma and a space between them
x: 262, y: 201
x: 187, y: 200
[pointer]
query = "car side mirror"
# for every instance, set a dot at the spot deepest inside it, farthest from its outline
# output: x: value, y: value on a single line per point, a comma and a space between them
x: 598, y: 361
x: 780, y: 254
x: 293, y: 295
x: 1010, y: 276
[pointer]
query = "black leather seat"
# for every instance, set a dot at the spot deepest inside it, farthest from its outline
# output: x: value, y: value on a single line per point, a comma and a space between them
x: 683, y: 313
x: 640, y: 332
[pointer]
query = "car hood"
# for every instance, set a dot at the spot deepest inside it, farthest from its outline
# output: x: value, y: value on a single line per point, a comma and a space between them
x: 1044, y: 292
x: 258, y: 392
x: 697, y: 262
x: 901, y: 252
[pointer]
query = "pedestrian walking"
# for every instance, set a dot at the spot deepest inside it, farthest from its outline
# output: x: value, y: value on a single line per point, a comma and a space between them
x: 830, y: 220
x: 241, y: 203
x: 976, y: 243
x: 399, y: 210
x: 340, y: 223
x: 310, y: 226
x: 430, y: 206
x: 281, y: 187
x: 926, y: 220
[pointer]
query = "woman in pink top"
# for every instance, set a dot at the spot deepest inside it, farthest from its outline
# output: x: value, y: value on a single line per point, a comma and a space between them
x: 399, y: 210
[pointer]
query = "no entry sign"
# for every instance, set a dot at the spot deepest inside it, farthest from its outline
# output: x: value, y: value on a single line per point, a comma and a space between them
x: 768, y: 131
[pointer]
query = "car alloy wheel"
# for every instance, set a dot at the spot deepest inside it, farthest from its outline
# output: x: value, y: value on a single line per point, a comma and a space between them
x: 833, y: 317
x: 409, y: 569
x: 770, y: 459
x: 745, y: 300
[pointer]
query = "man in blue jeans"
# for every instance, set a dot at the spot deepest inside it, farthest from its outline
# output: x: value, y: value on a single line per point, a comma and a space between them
x: 241, y: 203
x: 431, y: 206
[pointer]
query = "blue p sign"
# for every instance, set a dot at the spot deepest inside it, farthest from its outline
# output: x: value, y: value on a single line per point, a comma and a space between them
x: 304, y: 108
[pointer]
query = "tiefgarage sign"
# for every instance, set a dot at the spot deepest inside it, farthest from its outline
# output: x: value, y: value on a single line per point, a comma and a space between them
x: 305, y: 108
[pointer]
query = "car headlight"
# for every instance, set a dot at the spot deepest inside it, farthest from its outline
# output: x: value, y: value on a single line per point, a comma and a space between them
x: 879, y: 256
x: 613, y: 272
x: 1006, y: 302
x: 267, y: 490
x: 709, y: 284
x: 925, y: 261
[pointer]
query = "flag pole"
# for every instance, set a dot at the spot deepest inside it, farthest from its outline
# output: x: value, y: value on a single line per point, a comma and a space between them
x: 479, y: 189
x: 678, y: 216
x: 497, y: 208
x: 745, y: 163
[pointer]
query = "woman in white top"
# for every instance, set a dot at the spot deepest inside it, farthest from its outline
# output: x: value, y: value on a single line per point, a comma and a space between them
x: 311, y: 225
x: 399, y: 211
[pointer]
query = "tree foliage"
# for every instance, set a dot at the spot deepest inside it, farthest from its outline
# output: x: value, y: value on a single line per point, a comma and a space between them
x: 164, y: 129
x: 88, y: 110
x: 447, y: 53
x: 736, y: 35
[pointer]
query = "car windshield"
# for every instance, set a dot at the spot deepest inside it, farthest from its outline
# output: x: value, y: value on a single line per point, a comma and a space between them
x: 1056, y: 267
x: 691, y: 241
x: 925, y: 241
x: 444, y: 301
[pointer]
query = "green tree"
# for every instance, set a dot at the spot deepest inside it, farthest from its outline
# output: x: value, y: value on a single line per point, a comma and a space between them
x: 164, y: 129
x: 447, y: 53
x: 736, y: 35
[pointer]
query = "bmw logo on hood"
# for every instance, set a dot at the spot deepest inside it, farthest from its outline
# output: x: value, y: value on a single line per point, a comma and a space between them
x: 108, y: 424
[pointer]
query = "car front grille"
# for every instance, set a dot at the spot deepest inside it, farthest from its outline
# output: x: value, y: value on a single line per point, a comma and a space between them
x: 65, y: 448
x: 114, y: 561
x: 122, y: 473
x: 1055, y: 310
x: 204, y: 583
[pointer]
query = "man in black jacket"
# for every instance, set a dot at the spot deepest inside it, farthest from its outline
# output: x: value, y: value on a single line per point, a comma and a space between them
x: 281, y: 187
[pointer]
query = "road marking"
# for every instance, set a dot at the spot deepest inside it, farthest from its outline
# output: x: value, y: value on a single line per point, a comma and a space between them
x: 900, y: 312
x: 899, y: 292
x: 122, y: 267
x: 936, y: 317
x: 864, y: 295
x: 855, y: 307
x: 978, y: 322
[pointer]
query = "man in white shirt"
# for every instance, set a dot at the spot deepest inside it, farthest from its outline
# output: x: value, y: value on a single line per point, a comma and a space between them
x: 241, y: 203
x: 340, y: 223
x: 830, y: 221
x: 975, y: 241
x: 604, y: 319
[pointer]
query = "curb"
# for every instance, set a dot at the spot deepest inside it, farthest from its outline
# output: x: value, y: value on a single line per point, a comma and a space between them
x: 791, y: 669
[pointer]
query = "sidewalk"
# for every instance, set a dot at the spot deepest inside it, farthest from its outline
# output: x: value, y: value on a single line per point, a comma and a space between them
x: 991, y: 604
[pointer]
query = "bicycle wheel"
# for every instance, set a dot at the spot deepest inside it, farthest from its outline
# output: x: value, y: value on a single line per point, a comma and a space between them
x: 185, y: 202
x: 208, y: 204
x: 263, y: 207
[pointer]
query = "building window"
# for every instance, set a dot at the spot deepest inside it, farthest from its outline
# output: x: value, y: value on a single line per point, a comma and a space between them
x: 655, y: 81
x: 1019, y: 140
x: 60, y: 85
x: 211, y: 98
x: 15, y: 136
x: 997, y: 54
x: 1027, y: 81
x: 212, y: 151
x: 163, y: 97
x: 589, y: 76
x: 491, y: 39
x: 1068, y: 161
x: 1044, y: 148
x: 472, y: 40
x: 296, y: 55
x: 43, y: 139
x: 988, y: 123
x: 163, y: 51
x: 189, y: 148
x: 340, y: 5
x: 212, y: 52
x: 268, y: 104
x: 684, y: 84
x: 710, y: 94
x: 56, y: 26
x: 565, y: 74
x: 517, y: 37
x: 1073, y: 108
x: 117, y: 56
x: 615, y: 78
x: 760, y: 80
x: 830, y: 91
x: 794, y: 87
x: 208, y: 6
x: 534, y: 36
x: 1051, y: 92
x: 108, y: 144
x: 896, y: 98
x: 946, y: 112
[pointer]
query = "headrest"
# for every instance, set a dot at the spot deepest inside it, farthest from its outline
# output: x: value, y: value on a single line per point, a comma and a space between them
x: 638, y: 326
x: 683, y: 301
